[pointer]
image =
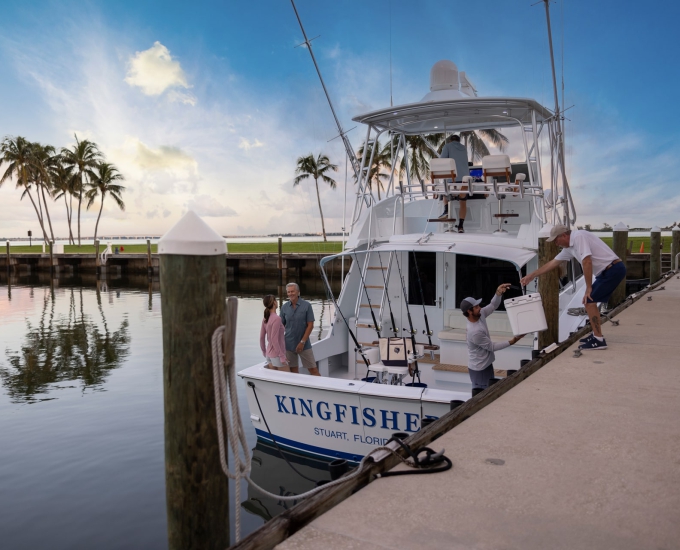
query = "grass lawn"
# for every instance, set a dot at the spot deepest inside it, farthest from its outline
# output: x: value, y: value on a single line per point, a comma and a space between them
x: 637, y: 241
x: 330, y: 247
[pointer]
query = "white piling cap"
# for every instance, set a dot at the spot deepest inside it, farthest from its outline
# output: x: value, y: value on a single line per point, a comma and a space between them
x: 656, y: 229
x: 676, y: 228
x: 620, y: 227
x: 191, y: 236
x: 545, y: 230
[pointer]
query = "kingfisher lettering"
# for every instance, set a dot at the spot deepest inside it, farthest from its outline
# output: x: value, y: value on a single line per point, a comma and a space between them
x: 341, y: 414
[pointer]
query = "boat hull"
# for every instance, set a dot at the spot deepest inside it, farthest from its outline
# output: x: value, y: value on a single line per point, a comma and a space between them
x: 336, y: 418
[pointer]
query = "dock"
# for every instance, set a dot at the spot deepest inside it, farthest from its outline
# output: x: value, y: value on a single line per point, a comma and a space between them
x: 584, y: 453
x: 293, y: 265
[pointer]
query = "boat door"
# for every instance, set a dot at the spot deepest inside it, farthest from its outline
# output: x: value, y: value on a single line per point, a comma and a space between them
x: 426, y: 288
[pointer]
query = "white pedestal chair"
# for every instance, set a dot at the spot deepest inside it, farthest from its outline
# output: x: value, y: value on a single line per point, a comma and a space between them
x: 375, y: 365
x: 493, y: 168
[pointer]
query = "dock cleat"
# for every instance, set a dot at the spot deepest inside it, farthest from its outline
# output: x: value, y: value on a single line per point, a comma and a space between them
x: 593, y: 344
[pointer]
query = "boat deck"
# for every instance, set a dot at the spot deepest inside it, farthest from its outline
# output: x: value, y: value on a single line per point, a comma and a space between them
x: 586, y: 456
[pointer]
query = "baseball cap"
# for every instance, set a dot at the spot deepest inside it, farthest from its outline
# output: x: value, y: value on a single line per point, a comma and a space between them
x: 557, y: 231
x: 469, y: 303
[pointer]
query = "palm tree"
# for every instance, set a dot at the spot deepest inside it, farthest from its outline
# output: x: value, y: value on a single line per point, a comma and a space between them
x: 316, y: 168
x: 83, y: 158
x: 63, y: 184
x: 17, y: 152
x: 103, y: 182
x: 41, y: 159
x: 381, y: 160
x: 475, y: 141
x: 420, y: 150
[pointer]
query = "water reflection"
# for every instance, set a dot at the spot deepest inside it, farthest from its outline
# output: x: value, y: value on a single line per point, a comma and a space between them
x: 271, y: 472
x: 73, y: 346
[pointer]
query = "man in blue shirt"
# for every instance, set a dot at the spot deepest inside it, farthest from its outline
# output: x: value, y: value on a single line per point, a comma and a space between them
x: 298, y: 318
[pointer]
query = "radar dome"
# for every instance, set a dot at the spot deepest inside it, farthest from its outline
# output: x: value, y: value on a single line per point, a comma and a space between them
x: 444, y: 76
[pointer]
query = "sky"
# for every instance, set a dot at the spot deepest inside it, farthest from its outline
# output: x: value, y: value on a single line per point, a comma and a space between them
x: 207, y: 105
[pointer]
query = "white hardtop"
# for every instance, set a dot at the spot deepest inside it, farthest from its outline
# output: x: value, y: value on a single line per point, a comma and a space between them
x: 467, y: 113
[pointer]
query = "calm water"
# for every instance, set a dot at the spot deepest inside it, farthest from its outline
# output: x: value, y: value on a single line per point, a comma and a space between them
x: 81, y: 415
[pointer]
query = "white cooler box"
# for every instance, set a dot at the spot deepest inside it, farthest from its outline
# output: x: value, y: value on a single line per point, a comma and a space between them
x: 526, y: 314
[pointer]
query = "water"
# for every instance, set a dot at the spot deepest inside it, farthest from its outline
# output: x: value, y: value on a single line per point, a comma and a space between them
x: 81, y: 416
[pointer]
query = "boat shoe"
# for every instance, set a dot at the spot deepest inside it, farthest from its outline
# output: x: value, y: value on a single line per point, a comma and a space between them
x: 593, y: 344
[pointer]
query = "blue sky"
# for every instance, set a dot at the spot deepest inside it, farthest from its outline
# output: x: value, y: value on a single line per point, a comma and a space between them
x: 206, y: 106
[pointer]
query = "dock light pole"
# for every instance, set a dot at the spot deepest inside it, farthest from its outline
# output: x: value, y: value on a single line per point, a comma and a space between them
x: 549, y: 289
x: 620, y: 247
x: 655, y: 255
x: 193, y: 278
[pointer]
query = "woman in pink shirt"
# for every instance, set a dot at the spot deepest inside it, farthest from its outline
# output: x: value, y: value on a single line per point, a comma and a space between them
x: 275, y: 348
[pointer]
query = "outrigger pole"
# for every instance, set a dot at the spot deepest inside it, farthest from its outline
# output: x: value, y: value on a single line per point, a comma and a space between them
x: 348, y: 146
x: 558, y: 119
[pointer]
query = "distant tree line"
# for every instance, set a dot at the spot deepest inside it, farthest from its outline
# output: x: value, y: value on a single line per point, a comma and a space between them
x: 72, y: 173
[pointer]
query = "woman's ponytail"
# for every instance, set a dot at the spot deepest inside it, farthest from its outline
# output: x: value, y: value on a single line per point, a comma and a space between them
x: 269, y: 300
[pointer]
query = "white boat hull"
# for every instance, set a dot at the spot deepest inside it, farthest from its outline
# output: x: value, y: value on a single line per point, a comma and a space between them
x: 336, y: 418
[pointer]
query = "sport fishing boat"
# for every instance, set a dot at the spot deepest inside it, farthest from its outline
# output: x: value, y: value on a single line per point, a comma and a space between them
x: 411, y: 268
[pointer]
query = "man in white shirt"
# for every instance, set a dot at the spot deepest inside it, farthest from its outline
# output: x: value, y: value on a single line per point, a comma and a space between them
x: 597, y: 260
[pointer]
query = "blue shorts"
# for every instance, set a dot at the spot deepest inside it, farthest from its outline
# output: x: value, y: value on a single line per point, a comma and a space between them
x: 606, y: 282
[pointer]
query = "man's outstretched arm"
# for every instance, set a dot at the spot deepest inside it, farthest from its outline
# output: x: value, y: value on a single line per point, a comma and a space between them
x: 552, y: 264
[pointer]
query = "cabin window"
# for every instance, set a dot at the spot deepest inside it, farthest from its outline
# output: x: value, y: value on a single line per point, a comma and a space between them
x: 427, y: 269
x: 480, y: 277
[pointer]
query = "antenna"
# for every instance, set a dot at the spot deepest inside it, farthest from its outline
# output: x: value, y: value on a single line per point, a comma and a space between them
x: 348, y: 146
x: 391, y: 103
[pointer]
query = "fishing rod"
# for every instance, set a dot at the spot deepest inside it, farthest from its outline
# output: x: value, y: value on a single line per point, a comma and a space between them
x: 329, y: 293
x: 370, y: 306
x: 387, y: 292
x: 422, y: 299
x: 416, y: 372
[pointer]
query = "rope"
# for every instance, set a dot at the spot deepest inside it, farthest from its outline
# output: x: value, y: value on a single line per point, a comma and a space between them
x: 227, y: 412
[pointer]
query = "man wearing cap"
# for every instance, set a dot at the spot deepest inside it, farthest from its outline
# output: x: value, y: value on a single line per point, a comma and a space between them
x: 480, y: 347
x: 597, y: 260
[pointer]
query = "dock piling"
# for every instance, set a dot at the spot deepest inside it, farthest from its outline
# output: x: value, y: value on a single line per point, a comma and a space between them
x: 619, y: 247
x: 655, y: 255
x: 8, y: 256
x: 193, y: 279
x: 280, y: 262
x: 149, y: 265
x: 549, y: 289
x: 675, y: 246
x: 97, y: 258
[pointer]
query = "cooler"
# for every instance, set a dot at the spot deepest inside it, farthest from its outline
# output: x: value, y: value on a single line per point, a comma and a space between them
x: 525, y: 314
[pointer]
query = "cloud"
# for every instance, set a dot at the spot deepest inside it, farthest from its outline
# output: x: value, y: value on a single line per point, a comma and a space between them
x: 163, y: 158
x: 154, y: 71
x: 205, y: 205
x: 248, y: 145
